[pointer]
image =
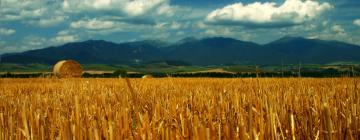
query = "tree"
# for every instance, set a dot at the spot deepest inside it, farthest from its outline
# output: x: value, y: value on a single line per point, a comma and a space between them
x: 120, y: 73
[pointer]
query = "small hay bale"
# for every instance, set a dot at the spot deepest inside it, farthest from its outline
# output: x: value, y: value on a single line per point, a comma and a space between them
x: 147, y: 76
x: 67, y: 69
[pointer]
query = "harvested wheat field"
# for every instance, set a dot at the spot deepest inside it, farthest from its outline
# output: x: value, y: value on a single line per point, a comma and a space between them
x: 176, y: 108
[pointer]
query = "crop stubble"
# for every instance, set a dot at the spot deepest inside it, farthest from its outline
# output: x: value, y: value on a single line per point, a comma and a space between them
x: 180, y: 108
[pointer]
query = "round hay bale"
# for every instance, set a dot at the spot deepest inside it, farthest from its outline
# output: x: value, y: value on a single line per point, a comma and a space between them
x: 67, y: 69
x: 147, y: 76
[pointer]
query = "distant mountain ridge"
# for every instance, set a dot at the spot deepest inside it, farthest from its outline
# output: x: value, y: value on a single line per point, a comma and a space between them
x: 207, y: 51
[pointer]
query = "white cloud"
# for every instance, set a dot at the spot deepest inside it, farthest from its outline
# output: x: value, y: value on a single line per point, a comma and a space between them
x: 45, y: 13
x: 140, y: 7
x: 357, y: 22
x: 64, y: 32
x: 325, y: 23
x: 218, y: 31
x: 131, y: 8
x: 51, y: 21
x: 79, y: 5
x: 175, y: 25
x: 11, y: 10
x: 30, y: 42
x: 35, y: 12
x: 161, y: 25
x: 6, y: 32
x: 93, y: 24
x: 338, y: 30
x: 64, y: 39
x: 102, y: 26
x: 200, y: 25
x: 21, y: 14
x: 98, y: 4
x: 312, y: 37
x: 166, y: 9
x: 267, y: 14
x: 34, y: 41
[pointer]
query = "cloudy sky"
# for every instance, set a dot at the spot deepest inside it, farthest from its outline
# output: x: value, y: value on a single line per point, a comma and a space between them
x: 34, y: 24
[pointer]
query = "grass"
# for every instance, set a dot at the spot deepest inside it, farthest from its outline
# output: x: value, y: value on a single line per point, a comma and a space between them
x: 180, y: 108
x: 24, y: 68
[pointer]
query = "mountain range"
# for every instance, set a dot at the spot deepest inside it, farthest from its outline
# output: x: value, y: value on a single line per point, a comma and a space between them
x: 192, y: 51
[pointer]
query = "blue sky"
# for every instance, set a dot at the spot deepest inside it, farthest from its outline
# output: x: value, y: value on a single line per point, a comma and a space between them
x: 34, y: 24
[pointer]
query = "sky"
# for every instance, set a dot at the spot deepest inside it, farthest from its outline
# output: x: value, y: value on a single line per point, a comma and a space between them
x: 34, y: 24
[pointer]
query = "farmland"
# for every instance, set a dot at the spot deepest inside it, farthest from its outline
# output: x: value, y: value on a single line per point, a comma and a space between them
x: 180, y: 108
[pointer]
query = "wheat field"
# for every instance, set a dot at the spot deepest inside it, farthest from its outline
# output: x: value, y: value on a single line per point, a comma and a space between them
x: 180, y: 108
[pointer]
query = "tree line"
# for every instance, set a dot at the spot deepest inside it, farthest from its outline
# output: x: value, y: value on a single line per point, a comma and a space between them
x: 123, y: 73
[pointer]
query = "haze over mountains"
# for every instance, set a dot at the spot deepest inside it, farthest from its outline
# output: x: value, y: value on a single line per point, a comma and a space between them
x: 191, y: 51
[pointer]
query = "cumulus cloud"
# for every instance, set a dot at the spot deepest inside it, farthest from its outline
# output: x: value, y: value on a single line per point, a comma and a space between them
x: 34, y: 41
x: 200, y: 25
x: 87, y: 5
x: 175, y: 25
x: 93, y: 24
x: 21, y: 15
x: 166, y: 9
x: 226, y: 32
x: 105, y: 26
x: 161, y: 25
x: 131, y: 8
x: 65, y: 38
x: 140, y: 7
x: 49, y: 13
x: 172, y: 25
x: 268, y: 14
x: 338, y: 30
x: 6, y: 32
x: 12, y: 10
x: 30, y: 42
x: 357, y: 22
x: 35, y: 12
x: 51, y: 21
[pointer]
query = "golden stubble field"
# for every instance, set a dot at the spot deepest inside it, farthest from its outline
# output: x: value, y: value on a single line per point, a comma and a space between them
x: 178, y: 108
